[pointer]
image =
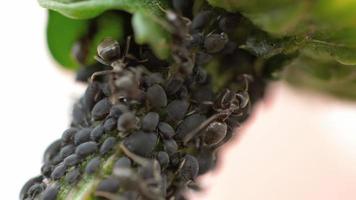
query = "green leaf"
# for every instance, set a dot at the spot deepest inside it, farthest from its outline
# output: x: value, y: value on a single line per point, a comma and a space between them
x: 147, y: 17
x: 326, y: 27
x: 61, y: 40
x: 326, y: 76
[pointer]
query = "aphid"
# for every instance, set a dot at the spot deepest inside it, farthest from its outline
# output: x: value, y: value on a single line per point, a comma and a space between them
x: 206, y: 159
x: 127, y: 121
x: 52, y: 150
x: 214, y: 43
x: 97, y: 133
x: 50, y: 193
x: 215, y: 133
x: 170, y: 146
x: 86, y: 149
x: 109, y: 49
x: 107, y: 145
x: 92, y: 95
x: 150, y: 121
x: 203, y: 58
x: 67, y: 150
x: 110, y: 185
x: 68, y: 136
x: 196, y: 40
x: 166, y: 130
x: 110, y: 124
x: 189, y: 124
x: 201, y: 75
x: 141, y: 143
x: 122, y: 162
x: 201, y: 20
x: 173, y: 85
x: 73, y: 176
x: 93, y: 165
x: 46, y: 170
x: 151, y: 79
x: 156, y: 96
x: 101, y: 109
x: 163, y: 159
x: 82, y: 136
x: 190, y: 168
x: 176, y: 110
x: 28, y: 184
x: 183, y: 92
x: 36, y: 189
x: 56, y: 159
x: 117, y: 110
x: 71, y: 160
x: 79, y: 114
x: 59, y: 171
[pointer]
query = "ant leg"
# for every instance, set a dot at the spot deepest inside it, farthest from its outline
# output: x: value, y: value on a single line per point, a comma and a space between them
x: 100, y: 73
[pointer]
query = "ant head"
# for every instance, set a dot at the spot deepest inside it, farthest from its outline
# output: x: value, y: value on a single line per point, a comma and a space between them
x: 109, y: 50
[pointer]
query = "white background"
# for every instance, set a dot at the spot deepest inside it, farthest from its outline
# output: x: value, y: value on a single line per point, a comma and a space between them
x: 35, y: 95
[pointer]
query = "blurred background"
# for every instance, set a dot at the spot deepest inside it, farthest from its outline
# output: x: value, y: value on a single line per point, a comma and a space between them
x: 36, y: 96
x: 297, y: 145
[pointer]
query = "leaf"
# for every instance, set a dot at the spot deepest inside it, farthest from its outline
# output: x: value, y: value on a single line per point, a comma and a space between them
x: 61, y: 41
x: 326, y: 76
x: 147, y: 17
x: 327, y: 28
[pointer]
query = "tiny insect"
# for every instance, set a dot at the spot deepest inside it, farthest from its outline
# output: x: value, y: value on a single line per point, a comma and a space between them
x: 97, y: 133
x: 141, y: 143
x: 73, y: 176
x: 107, y: 145
x: 176, y: 110
x: 46, y: 170
x: 110, y: 124
x: 28, y: 184
x: 150, y: 121
x: 190, y: 168
x: 67, y: 150
x: 170, y: 146
x: 110, y: 185
x: 166, y: 130
x: 36, y: 189
x: 82, y: 136
x: 127, y: 121
x: 201, y: 20
x: 215, y: 133
x: 156, y: 96
x: 215, y: 43
x: 101, y: 109
x: 122, y: 162
x: 86, y: 149
x: 52, y: 151
x: 50, y: 193
x: 92, y: 166
x: 71, y: 160
x: 58, y: 171
x: 163, y: 159
x: 68, y: 136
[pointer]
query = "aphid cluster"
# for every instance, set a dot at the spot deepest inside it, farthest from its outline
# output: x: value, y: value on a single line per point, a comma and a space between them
x: 142, y: 133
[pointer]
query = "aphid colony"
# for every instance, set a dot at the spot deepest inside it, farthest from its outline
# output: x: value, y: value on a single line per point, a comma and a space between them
x: 145, y: 133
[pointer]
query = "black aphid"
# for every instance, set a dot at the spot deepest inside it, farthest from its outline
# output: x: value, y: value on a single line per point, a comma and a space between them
x: 150, y: 121
x: 68, y: 136
x: 67, y: 150
x: 190, y: 168
x: 107, y: 145
x: 201, y: 20
x: 141, y: 143
x: 28, y: 184
x: 73, y: 176
x: 127, y: 121
x: 110, y: 184
x: 82, y: 136
x: 189, y: 124
x: 97, y: 133
x: 101, y: 109
x: 52, y: 150
x: 109, y: 49
x: 110, y: 124
x: 156, y: 96
x: 59, y: 171
x: 71, y: 160
x: 215, y: 133
x: 50, y: 193
x: 214, y: 43
x: 170, y: 146
x: 122, y: 162
x: 176, y: 110
x: 163, y: 159
x: 92, y: 166
x: 166, y: 130
x: 86, y: 149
